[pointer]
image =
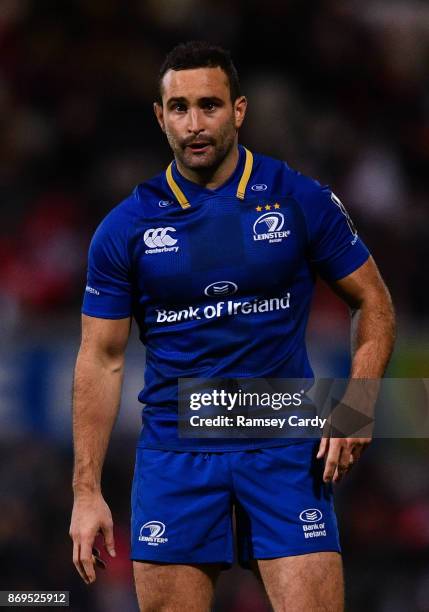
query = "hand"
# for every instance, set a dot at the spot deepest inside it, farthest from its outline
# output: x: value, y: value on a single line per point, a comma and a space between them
x: 340, y: 455
x: 91, y: 515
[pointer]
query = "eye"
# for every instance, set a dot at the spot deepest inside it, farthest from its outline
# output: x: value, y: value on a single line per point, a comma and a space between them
x: 209, y: 106
x: 178, y: 107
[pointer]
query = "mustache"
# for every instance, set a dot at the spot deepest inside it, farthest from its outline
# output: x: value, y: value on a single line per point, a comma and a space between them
x: 192, y: 140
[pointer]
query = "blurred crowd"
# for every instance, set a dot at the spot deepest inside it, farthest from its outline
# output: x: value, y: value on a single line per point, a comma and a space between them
x: 338, y: 89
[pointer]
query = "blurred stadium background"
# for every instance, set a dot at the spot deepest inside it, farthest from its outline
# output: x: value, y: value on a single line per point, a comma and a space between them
x: 338, y: 89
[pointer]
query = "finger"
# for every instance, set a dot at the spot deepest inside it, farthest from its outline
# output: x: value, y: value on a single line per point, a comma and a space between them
x: 109, y: 540
x: 358, y: 451
x: 86, y: 560
x: 339, y: 474
x: 323, y: 446
x: 97, y: 559
x: 343, y: 464
x: 331, y: 461
x: 76, y: 561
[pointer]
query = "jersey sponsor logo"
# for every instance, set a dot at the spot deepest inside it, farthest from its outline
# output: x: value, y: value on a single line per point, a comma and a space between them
x: 336, y: 200
x: 221, y: 288
x: 259, y: 187
x: 152, y: 532
x: 269, y: 227
x: 314, y: 527
x: 159, y: 241
x: 89, y: 289
x: 165, y: 203
x: 221, y: 309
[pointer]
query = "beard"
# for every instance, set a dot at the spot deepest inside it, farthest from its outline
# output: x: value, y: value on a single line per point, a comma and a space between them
x: 209, y: 159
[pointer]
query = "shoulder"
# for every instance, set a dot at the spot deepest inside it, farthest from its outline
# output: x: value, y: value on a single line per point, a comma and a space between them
x: 280, y: 178
x: 145, y: 201
x: 116, y: 225
x: 153, y: 196
x: 313, y: 198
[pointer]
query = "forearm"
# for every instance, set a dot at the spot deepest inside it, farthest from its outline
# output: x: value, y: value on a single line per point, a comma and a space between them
x: 96, y: 398
x: 373, y: 336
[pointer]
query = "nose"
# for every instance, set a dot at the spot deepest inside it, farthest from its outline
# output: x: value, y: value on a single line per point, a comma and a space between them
x: 194, y: 124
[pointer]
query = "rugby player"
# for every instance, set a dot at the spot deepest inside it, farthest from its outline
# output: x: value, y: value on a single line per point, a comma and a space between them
x: 219, y: 224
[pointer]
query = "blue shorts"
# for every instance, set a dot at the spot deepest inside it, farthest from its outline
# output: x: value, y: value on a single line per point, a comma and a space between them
x: 182, y: 505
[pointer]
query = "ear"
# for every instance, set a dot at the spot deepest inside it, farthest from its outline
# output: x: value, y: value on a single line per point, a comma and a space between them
x: 159, y: 114
x: 240, y: 106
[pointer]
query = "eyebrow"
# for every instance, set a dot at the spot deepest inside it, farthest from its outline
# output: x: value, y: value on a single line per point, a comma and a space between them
x: 176, y: 99
x: 183, y: 100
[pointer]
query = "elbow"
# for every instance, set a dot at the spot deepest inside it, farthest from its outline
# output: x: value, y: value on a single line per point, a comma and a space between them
x: 106, y: 358
x: 113, y: 361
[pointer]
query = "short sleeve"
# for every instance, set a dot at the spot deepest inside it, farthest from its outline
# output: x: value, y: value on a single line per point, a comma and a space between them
x: 335, y: 248
x: 108, y: 289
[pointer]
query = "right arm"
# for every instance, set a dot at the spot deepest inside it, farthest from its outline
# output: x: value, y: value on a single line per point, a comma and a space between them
x: 96, y: 397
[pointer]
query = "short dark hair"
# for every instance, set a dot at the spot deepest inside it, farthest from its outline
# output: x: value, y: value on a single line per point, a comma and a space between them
x: 200, y: 54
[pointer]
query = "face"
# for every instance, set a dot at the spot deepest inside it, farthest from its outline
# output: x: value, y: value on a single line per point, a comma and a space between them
x: 198, y: 116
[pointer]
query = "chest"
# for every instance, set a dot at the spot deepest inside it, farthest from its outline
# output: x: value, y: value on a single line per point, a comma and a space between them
x: 220, y: 247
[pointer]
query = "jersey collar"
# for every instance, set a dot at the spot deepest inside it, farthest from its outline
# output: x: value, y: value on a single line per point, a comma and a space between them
x: 241, y: 188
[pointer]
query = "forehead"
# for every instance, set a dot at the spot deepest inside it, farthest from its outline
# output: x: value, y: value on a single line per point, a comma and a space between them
x: 195, y: 83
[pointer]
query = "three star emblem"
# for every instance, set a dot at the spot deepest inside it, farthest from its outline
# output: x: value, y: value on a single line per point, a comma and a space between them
x: 259, y: 208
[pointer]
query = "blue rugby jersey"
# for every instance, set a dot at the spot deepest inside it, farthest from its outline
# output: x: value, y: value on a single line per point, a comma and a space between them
x: 219, y: 281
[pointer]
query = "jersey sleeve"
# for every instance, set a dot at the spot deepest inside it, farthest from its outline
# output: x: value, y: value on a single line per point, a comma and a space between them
x: 335, y: 248
x: 108, y: 293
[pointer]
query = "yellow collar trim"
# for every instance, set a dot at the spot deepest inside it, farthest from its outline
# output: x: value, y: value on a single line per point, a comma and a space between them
x: 241, y: 189
x: 179, y: 195
x: 248, y: 166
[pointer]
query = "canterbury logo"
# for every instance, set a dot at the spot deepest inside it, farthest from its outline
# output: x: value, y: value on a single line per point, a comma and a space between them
x: 159, y: 237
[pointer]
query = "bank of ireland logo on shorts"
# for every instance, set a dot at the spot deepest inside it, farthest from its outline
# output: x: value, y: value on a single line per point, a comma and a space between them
x: 221, y: 288
x: 159, y: 240
x: 313, y: 526
x: 311, y: 515
x: 269, y: 226
x: 152, y: 532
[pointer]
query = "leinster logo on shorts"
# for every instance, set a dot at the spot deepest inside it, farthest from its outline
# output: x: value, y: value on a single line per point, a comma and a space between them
x: 269, y: 226
x: 152, y: 532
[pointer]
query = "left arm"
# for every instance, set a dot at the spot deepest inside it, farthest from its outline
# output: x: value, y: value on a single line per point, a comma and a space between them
x: 373, y: 335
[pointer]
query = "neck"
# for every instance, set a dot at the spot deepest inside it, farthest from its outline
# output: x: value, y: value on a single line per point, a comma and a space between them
x: 212, y: 178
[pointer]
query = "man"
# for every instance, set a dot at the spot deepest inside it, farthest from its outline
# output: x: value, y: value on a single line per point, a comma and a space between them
x: 194, y: 235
